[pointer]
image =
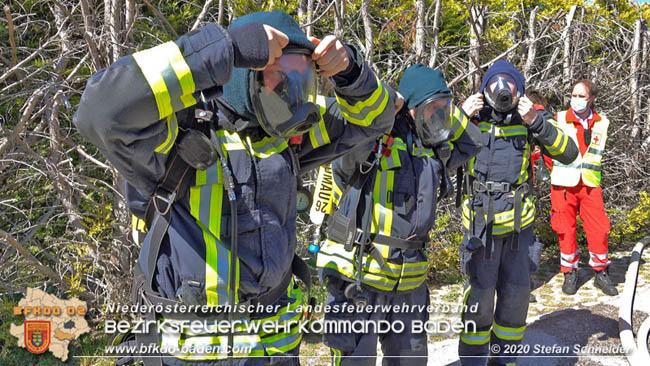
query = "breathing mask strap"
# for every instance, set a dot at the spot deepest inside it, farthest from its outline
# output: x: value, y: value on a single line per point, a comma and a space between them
x: 443, y: 152
x: 501, y: 120
x: 233, y: 122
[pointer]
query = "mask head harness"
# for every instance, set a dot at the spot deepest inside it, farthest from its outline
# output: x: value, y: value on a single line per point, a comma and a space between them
x: 284, y: 94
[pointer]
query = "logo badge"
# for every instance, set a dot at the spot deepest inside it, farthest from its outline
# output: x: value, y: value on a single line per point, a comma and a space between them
x: 37, y: 335
x: 596, y: 139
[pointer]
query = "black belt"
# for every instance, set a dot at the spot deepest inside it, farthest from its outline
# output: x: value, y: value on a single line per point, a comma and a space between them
x: 501, y: 187
x: 391, y: 241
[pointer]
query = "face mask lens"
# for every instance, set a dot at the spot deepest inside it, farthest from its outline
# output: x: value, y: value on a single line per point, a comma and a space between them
x: 281, y: 91
x: 501, y: 93
x: 434, y: 121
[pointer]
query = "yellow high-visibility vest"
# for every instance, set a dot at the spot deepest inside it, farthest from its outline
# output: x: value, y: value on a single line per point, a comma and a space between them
x: 588, y: 166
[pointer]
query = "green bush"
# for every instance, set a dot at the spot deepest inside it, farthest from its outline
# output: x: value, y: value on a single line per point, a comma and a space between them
x: 632, y: 225
x: 444, y: 251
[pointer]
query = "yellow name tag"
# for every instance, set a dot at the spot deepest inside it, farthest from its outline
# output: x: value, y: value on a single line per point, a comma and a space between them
x: 322, y: 203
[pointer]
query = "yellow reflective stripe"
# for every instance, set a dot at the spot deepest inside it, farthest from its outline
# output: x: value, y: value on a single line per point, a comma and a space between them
x: 364, y: 112
x: 392, y: 161
x: 184, y: 75
x: 286, y: 313
x: 412, y: 269
x: 406, y: 284
x: 157, y: 64
x: 250, y: 343
x: 336, y: 356
x: 241, y: 343
x: 360, y: 105
x: 206, y: 199
x: 504, y: 221
x: 211, y: 251
x: 388, y: 205
x: 282, y: 342
x: 504, y: 131
x: 475, y: 338
x: 172, y: 132
x: 508, y: 333
x: 346, y: 268
x: 523, y: 172
x: 559, y: 145
x: 151, y: 66
x: 408, y: 275
x: 466, y: 294
x: 382, y: 218
x: 421, y: 151
x: 389, y: 269
x: 460, y: 123
x: 318, y: 134
x: 266, y: 146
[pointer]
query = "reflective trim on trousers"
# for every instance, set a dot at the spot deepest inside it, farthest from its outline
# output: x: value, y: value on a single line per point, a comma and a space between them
x: 508, y: 333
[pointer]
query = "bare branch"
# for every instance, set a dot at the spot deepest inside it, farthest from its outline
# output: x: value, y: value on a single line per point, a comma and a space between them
x: 203, y: 13
x: 162, y: 18
x: 6, y: 237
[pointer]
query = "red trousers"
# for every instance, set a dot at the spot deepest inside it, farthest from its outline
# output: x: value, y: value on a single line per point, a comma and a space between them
x: 565, y: 203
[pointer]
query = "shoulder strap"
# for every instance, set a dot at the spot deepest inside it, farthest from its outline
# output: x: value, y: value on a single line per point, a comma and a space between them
x: 170, y: 187
x: 342, y: 228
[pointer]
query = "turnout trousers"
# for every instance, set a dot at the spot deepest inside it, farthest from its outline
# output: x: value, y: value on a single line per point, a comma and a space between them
x: 565, y: 203
x: 489, y: 330
x: 360, y: 348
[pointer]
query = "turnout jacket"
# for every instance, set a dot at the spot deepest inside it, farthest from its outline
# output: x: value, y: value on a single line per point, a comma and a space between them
x: 505, y: 158
x: 135, y: 110
x: 400, y: 196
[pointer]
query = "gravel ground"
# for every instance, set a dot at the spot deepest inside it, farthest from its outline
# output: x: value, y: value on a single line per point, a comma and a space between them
x: 583, y: 327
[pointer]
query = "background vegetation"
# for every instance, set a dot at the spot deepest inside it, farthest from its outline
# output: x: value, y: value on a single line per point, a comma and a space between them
x: 64, y: 226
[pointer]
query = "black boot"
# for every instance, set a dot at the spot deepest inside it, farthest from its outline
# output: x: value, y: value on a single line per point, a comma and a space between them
x: 604, y: 283
x: 570, y: 285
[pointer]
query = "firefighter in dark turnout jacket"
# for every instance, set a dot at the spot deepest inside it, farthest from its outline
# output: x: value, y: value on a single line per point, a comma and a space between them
x: 242, y: 96
x: 390, y: 200
x: 499, y: 211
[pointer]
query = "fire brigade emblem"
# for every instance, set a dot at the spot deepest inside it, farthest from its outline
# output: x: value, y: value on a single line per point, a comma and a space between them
x: 37, y: 336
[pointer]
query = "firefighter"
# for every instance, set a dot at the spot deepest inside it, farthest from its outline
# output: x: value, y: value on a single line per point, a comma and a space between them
x: 210, y: 132
x: 498, y: 214
x: 575, y: 187
x: 387, y: 206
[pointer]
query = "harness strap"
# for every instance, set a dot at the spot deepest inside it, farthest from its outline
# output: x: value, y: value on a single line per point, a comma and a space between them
x: 341, y: 228
x: 459, y: 186
x: 519, y: 197
x: 443, y: 153
x: 489, y: 224
x: 171, y: 186
x: 394, y: 242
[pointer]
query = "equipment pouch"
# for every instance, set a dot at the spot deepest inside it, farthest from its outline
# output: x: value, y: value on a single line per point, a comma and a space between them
x: 341, y: 229
x: 196, y: 149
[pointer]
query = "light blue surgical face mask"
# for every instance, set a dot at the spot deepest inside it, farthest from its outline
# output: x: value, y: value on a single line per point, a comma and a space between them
x: 579, y: 104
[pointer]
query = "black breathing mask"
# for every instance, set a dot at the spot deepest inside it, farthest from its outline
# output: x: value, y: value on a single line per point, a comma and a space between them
x: 501, y: 93
x: 284, y: 94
